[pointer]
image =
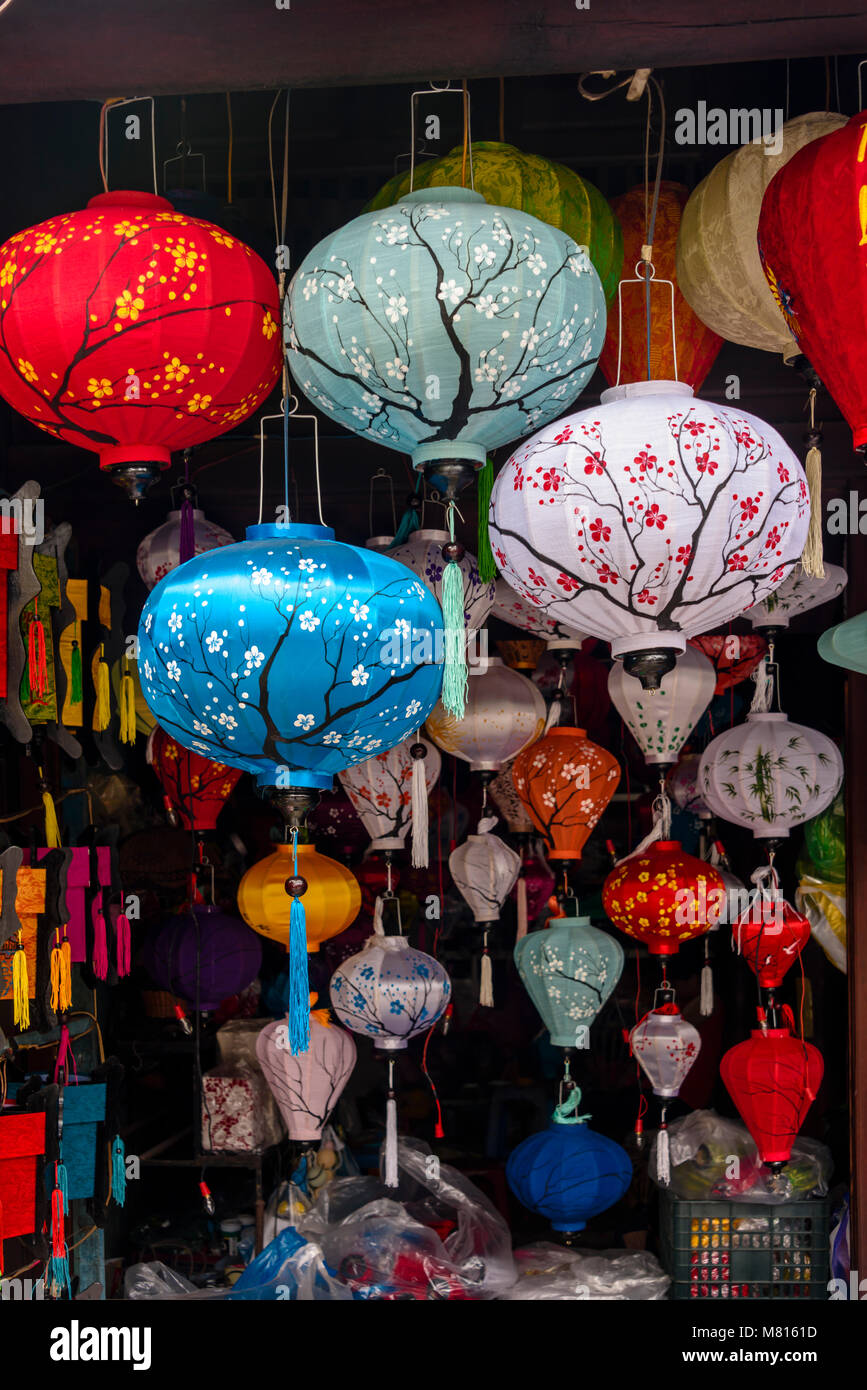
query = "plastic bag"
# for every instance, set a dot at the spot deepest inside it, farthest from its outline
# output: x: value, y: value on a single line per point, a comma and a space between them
x: 155, y: 1280
x: 550, y: 1272
x: 712, y: 1157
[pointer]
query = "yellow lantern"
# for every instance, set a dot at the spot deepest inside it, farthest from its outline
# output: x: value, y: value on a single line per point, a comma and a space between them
x: 332, y: 899
x: 719, y: 270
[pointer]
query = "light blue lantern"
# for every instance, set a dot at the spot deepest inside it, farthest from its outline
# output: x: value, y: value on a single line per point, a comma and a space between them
x: 568, y: 1173
x: 569, y: 969
x: 290, y: 655
x: 444, y: 326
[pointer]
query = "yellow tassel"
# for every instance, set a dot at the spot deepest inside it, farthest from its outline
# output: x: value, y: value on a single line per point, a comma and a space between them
x: 127, y: 709
x: 56, y: 960
x: 65, y: 975
x: 52, y: 829
x: 102, y: 713
x: 812, y: 562
x: 20, y: 988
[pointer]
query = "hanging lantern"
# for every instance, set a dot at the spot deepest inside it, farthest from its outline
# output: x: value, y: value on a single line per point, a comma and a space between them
x: 718, y: 266
x: 504, y: 795
x: 565, y: 783
x: 375, y: 877
x: 525, y: 614
x: 203, y: 956
x: 533, y: 889
x: 510, y: 178
x: 773, y: 1079
x: 810, y: 237
x: 332, y: 898
x: 769, y: 933
x: 164, y: 549
x: 505, y: 713
x: 283, y: 655
x: 696, y: 345
x: 846, y: 644
x: 390, y: 992
x: 665, y: 1046
x: 681, y: 785
x: 662, y: 720
x: 381, y: 790
x: 194, y: 789
x: 568, y: 1173
x: 394, y: 325
x: 663, y: 896
x: 652, y: 518
x: 570, y: 969
x: 422, y: 552
x: 796, y: 595
x: 825, y: 841
x: 333, y: 823
x: 522, y: 653
x: 132, y: 330
x: 769, y: 774
x: 306, y: 1087
x: 734, y: 656
x: 484, y: 870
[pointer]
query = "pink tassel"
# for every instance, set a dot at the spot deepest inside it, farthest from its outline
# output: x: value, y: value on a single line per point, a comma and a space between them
x: 100, y: 945
x: 124, y: 945
x: 187, y: 538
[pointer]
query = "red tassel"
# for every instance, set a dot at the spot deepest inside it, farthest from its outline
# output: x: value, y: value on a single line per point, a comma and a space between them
x: 100, y: 946
x: 58, y: 1239
x: 124, y: 945
x: 1, y: 1238
x: 37, y: 664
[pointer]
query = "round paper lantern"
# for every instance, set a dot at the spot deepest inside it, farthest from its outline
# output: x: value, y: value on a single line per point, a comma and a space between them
x: 380, y: 789
x: 195, y: 790
x: 505, y: 713
x: 846, y: 644
x: 484, y: 871
x: 697, y: 345
x: 307, y: 1086
x: 569, y: 969
x: 665, y: 1047
x: 565, y: 782
x: 203, y: 956
x: 333, y: 823
x: 770, y: 935
x: 390, y: 992
x: 525, y: 614
x: 797, y: 594
x: 132, y: 330
x: 160, y: 551
x: 422, y: 552
x: 568, y: 1173
x: 718, y: 266
x: 283, y: 655
x: 769, y: 774
x: 510, y: 178
x: 734, y: 656
x: 662, y: 720
x: 650, y: 519
x: 445, y: 326
x: 663, y: 896
x: 825, y: 841
x: 332, y: 899
x: 682, y: 786
x: 773, y: 1079
x: 504, y: 795
x: 811, y: 237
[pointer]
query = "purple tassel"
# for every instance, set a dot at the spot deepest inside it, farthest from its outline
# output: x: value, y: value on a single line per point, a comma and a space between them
x: 187, y: 539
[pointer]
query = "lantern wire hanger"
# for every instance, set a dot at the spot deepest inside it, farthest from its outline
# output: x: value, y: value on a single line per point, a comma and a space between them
x: 381, y: 476
x: 183, y: 152
x: 114, y: 104
x: 448, y: 90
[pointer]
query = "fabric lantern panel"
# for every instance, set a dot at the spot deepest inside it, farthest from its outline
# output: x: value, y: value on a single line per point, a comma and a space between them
x: 133, y: 330
x: 796, y: 595
x: 203, y: 956
x: 662, y: 720
x: 654, y: 517
x: 773, y: 1079
x: 22, y: 1143
x: 534, y: 887
x: 697, y: 346
x: 380, y: 790
x: 332, y: 900
x: 570, y: 969
x: 846, y: 644
x: 505, y: 713
x: 770, y: 935
x: 665, y: 1047
x: 735, y: 656
x: 484, y: 870
x: 565, y: 782
x: 160, y: 550
x: 390, y: 992
x: 527, y: 614
x: 769, y: 774
x: 394, y: 325
x: 422, y: 552
x: 504, y: 795
x: 682, y: 786
x: 195, y: 790
x: 663, y: 896
x: 568, y: 1173
x: 333, y: 823
x: 271, y: 655
x: 307, y: 1086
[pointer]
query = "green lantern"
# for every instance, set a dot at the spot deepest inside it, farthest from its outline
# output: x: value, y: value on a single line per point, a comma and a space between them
x: 507, y: 177
x: 825, y: 841
x: 569, y: 969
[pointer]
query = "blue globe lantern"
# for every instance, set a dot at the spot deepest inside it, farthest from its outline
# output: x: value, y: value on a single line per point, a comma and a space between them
x: 569, y: 969
x: 568, y: 1173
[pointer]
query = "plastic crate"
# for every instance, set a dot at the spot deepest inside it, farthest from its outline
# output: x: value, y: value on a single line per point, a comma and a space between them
x: 736, y: 1250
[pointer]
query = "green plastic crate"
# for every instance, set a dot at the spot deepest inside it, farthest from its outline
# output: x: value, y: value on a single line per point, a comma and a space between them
x: 736, y: 1250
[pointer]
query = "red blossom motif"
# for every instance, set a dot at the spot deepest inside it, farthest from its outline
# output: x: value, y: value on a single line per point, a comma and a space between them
x: 705, y: 464
x: 607, y: 575
x: 596, y: 464
x: 744, y: 438
x: 599, y: 531
x: 536, y: 578
x: 773, y: 539
x: 567, y: 582
x: 684, y: 553
x: 518, y: 481
x: 644, y: 460
x: 783, y: 473
x: 550, y: 480
x: 749, y: 508
x: 564, y: 436
x: 646, y: 597
x: 655, y: 517
x: 693, y: 426
x: 738, y: 561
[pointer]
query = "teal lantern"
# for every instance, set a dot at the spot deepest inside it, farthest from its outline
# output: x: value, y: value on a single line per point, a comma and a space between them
x: 846, y: 644
x: 444, y: 326
x: 569, y: 969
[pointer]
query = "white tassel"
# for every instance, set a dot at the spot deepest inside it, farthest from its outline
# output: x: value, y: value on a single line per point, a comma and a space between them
x: 522, y: 908
x: 661, y: 827
x: 419, y: 816
x: 761, y: 702
x: 706, y: 1002
x: 553, y: 714
x: 486, y: 980
x: 391, y: 1178
x: 663, y: 1157
x: 811, y: 559
x: 377, y: 918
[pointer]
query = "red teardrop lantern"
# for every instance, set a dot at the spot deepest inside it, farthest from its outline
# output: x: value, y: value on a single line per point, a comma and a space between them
x: 565, y: 781
x: 770, y: 936
x: 734, y: 655
x: 812, y: 234
x: 195, y: 790
x: 663, y: 897
x: 697, y: 346
x: 132, y: 330
x: 773, y: 1079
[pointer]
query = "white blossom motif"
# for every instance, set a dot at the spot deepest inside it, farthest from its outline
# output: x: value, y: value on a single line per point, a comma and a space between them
x: 175, y: 622
x: 173, y: 671
x: 308, y: 620
x: 305, y: 721
x: 213, y: 642
x: 359, y: 675
x: 254, y: 658
x: 261, y: 577
x: 451, y: 292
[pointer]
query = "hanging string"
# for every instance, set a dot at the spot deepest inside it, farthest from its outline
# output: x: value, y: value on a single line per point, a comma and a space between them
x: 466, y: 134
x: 650, y: 218
x: 231, y: 143
x: 502, y: 124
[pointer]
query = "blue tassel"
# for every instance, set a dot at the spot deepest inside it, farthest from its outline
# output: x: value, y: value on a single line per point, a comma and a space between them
x: 299, y: 981
x: 63, y: 1183
x: 409, y: 521
x: 118, y: 1170
x: 58, y: 1275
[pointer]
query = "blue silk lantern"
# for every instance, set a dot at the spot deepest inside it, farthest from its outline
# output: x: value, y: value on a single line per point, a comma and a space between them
x: 568, y: 1173
x: 444, y: 326
x: 290, y: 655
x: 569, y: 969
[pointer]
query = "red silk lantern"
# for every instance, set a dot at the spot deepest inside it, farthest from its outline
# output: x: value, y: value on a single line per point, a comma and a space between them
x: 697, y: 346
x: 770, y: 936
x: 812, y: 233
x: 565, y: 782
x: 132, y: 330
x: 773, y: 1079
x: 195, y: 790
x: 663, y: 897
x: 734, y: 655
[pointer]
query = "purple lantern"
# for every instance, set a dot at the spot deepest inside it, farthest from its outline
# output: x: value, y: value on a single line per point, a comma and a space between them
x: 203, y: 956
x: 336, y: 827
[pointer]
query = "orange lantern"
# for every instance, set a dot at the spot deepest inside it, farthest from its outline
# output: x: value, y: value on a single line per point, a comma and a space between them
x: 565, y: 781
x: 663, y: 897
x: 195, y: 790
x: 735, y: 656
x: 332, y: 898
x: 697, y: 346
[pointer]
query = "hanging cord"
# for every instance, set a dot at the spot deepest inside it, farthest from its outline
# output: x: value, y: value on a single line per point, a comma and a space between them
x: 812, y: 559
x: 115, y: 102
x: 650, y: 218
x: 231, y: 144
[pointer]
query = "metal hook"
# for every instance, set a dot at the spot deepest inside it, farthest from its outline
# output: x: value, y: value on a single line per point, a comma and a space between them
x: 185, y: 151
x: 433, y: 90
x: 381, y: 475
x: 133, y: 101
x: 638, y: 279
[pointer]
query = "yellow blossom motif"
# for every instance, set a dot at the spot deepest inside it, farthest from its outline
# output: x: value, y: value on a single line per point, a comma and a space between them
x: 176, y: 371
x: 642, y: 878
x: 7, y: 272
x: 99, y: 387
x: 185, y: 256
x: 129, y: 307
x: 223, y: 238
x: 44, y: 243
x: 126, y: 229
x: 199, y: 402
x: 27, y: 370
x: 269, y: 327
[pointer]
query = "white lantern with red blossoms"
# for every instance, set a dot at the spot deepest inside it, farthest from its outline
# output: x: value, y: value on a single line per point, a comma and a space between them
x: 654, y: 517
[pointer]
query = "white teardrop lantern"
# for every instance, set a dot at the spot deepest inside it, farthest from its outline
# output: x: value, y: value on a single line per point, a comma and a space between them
x: 662, y: 720
x: 649, y: 519
x: 796, y: 595
x: 381, y: 790
x: 665, y: 1047
x: 422, y: 553
x: 505, y: 713
x: 160, y: 551
x: 484, y: 870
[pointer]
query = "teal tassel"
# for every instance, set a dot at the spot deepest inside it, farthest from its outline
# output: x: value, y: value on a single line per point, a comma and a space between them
x: 63, y: 1184
x: 299, y: 982
x: 484, y: 483
x: 454, y: 696
x: 58, y: 1274
x: 409, y: 521
x: 118, y: 1170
